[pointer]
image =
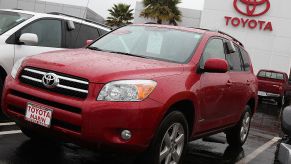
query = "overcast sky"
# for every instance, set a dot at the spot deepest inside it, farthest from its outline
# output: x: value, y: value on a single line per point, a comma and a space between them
x: 101, y: 6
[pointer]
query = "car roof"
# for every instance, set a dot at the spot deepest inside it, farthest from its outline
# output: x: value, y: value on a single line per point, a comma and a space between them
x: 173, y: 27
x: 61, y: 16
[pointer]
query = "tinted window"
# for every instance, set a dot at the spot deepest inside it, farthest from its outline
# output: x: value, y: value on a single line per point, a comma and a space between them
x: 246, y: 60
x: 214, y: 49
x: 235, y: 61
x: 77, y: 38
x: 9, y: 20
x: 49, y: 32
x: 271, y: 75
x: 151, y: 42
x: 102, y: 32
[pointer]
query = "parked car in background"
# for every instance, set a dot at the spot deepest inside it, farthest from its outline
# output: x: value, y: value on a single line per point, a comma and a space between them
x: 273, y: 85
x: 24, y: 33
x: 141, y: 88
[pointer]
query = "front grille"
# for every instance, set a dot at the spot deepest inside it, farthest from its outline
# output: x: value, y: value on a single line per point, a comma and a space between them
x: 47, y: 102
x: 68, y: 85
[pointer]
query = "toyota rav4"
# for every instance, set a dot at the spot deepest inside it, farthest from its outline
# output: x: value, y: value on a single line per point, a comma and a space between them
x: 141, y: 88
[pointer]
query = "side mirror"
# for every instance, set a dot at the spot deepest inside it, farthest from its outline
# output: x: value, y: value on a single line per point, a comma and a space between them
x: 29, y: 39
x: 71, y: 25
x: 88, y: 42
x: 230, y: 47
x: 216, y: 65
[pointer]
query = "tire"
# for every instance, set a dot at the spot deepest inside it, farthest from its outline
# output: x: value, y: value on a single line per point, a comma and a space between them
x: 238, y: 135
x: 164, y: 148
x: 2, y: 116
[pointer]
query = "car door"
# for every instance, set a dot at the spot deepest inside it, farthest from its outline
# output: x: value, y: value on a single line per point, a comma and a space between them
x: 50, y: 37
x: 214, y: 102
x: 238, y: 92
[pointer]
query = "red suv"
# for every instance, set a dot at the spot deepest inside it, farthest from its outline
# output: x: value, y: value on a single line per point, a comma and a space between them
x: 141, y: 88
x: 273, y: 85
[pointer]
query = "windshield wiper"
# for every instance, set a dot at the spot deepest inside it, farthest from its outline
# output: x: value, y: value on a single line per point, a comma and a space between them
x: 128, y: 54
x: 94, y: 48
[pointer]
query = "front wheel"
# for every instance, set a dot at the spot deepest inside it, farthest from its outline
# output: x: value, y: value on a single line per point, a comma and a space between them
x: 238, y: 135
x: 169, y: 144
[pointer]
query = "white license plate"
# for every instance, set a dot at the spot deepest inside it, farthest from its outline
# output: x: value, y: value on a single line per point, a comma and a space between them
x: 261, y: 93
x: 38, y: 114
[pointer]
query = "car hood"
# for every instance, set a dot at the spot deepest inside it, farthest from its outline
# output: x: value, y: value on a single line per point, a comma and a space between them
x: 102, y: 67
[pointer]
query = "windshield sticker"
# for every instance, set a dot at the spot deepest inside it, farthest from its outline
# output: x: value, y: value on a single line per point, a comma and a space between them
x: 155, y: 42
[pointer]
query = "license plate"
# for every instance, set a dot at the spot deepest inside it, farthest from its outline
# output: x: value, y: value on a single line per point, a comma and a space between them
x: 38, y: 114
x: 261, y: 93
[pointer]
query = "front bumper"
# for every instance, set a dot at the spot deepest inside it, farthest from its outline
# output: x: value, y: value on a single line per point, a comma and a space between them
x: 86, y: 122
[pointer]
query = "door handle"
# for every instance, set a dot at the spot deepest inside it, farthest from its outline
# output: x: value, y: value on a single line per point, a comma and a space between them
x: 228, y: 83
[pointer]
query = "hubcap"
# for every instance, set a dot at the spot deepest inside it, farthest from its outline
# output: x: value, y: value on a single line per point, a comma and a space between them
x: 245, y: 126
x: 172, y: 144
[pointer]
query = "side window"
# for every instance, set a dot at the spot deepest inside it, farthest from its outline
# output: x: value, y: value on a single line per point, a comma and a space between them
x: 214, y: 49
x: 235, y: 61
x: 102, y: 32
x: 86, y: 33
x: 49, y: 32
x: 246, y: 60
x: 77, y: 38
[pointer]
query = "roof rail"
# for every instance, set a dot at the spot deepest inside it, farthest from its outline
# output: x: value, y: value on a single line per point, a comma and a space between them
x: 234, y: 39
x: 221, y: 32
x: 87, y: 20
x: 150, y: 23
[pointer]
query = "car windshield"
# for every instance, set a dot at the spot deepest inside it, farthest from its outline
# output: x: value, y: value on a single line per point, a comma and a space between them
x: 150, y: 42
x: 9, y: 20
x: 271, y: 75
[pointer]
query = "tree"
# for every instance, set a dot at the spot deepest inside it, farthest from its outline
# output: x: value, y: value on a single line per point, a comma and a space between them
x: 120, y: 15
x: 162, y: 10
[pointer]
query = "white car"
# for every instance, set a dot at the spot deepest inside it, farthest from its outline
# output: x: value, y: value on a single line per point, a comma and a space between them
x: 24, y: 33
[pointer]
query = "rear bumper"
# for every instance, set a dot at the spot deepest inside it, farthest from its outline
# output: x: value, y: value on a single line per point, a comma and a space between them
x: 269, y: 94
x: 87, y: 122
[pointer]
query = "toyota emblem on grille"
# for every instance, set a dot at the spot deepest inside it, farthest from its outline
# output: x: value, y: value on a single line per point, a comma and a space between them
x: 50, y: 80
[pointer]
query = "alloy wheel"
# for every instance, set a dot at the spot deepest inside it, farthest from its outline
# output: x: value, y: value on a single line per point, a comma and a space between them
x: 245, y: 126
x: 172, y: 144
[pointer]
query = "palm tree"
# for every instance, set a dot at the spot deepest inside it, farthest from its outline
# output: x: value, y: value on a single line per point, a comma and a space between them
x: 162, y: 10
x: 120, y: 15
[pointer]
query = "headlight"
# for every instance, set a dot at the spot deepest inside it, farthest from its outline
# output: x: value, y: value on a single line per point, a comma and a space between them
x: 127, y: 90
x: 16, y: 67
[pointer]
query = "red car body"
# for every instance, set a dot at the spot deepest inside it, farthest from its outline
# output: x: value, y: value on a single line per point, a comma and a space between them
x: 273, y: 88
x: 213, y: 102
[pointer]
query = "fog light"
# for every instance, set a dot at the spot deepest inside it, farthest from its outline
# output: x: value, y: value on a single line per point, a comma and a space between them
x: 126, y: 135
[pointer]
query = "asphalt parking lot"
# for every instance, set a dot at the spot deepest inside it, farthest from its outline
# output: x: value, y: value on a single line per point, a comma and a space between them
x: 259, y: 149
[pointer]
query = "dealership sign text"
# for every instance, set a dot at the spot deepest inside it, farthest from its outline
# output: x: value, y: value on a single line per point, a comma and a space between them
x: 248, y: 23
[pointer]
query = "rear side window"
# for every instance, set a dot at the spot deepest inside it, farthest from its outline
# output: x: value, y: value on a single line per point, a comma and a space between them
x: 235, y: 61
x: 77, y: 38
x: 49, y: 32
x: 214, y: 49
x: 246, y: 60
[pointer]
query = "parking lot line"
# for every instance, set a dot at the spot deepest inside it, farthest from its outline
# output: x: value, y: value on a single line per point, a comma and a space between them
x: 7, y: 123
x: 258, y: 151
x: 10, y: 132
